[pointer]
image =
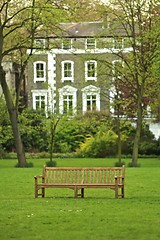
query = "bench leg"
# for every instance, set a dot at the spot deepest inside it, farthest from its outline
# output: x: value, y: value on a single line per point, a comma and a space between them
x: 75, y: 192
x: 122, y: 192
x: 116, y: 192
x: 116, y: 187
x: 82, y: 192
x: 36, y: 192
x: 43, y: 192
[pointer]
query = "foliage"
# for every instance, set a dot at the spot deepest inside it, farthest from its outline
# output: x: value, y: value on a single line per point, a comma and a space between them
x: 134, y: 165
x: 19, y: 24
x: 135, y: 87
x: 51, y: 163
x: 119, y: 164
x: 69, y: 138
x: 83, y: 10
x: 92, y: 134
x: 6, y: 139
x: 33, y: 130
x: 28, y: 165
x: 101, y: 145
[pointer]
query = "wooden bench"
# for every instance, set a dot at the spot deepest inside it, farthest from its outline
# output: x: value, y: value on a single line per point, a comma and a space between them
x: 79, y: 178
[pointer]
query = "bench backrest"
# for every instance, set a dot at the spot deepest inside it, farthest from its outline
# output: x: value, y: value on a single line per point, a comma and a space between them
x: 79, y: 175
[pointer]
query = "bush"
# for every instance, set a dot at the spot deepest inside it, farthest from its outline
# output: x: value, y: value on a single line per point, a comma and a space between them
x: 33, y: 130
x: 51, y: 163
x: 102, y: 145
x: 119, y: 164
x: 148, y: 148
x: 28, y: 165
x: 133, y: 165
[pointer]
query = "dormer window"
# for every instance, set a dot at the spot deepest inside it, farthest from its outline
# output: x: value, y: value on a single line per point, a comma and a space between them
x: 67, y: 43
x: 118, y: 43
x: 90, y: 43
x: 39, y: 43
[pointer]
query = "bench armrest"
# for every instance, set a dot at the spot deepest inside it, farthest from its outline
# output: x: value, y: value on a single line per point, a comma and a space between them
x: 119, y: 180
x: 38, y: 177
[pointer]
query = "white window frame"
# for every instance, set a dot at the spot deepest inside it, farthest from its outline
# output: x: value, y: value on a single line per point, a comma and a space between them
x: 114, y: 78
x: 114, y: 69
x: 91, y: 98
x: 63, y: 71
x: 87, y: 78
x: 39, y: 93
x: 90, y: 45
x: 90, y: 91
x: 67, y: 91
x: 39, y: 79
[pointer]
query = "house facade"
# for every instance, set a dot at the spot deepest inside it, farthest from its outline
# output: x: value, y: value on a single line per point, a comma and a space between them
x: 74, y: 71
x: 69, y: 72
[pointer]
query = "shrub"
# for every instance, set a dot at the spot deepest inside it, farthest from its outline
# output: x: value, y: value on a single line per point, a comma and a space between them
x: 119, y: 164
x: 102, y: 145
x: 133, y: 165
x: 28, y: 165
x: 148, y: 148
x: 51, y: 163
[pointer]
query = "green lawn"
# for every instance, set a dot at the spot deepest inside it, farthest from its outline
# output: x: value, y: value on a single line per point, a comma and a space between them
x: 96, y: 217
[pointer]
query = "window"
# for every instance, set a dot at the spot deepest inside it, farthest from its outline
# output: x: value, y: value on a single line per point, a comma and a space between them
x: 67, y: 44
x: 67, y: 71
x: 117, y: 88
x: 117, y: 69
x: 39, y: 71
x: 67, y: 100
x: 91, y: 70
x: 40, y: 102
x: 68, y: 104
x: 90, y: 98
x: 91, y: 102
x: 90, y: 43
x: 39, y: 99
x: 118, y: 43
x: 39, y: 43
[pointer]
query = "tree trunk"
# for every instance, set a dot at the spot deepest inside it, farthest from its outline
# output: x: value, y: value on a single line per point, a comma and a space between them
x: 119, y: 147
x: 12, y: 110
x: 137, y: 134
x: 119, y: 135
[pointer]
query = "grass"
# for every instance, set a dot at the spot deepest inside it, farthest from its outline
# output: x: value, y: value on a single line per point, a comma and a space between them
x: 98, y: 216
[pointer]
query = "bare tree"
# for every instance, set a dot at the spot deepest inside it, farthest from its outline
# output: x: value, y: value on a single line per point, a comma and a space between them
x: 136, y: 21
x: 19, y: 23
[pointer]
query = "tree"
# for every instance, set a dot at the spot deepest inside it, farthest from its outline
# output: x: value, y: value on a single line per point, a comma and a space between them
x: 12, y: 23
x: 138, y: 21
x: 19, y: 23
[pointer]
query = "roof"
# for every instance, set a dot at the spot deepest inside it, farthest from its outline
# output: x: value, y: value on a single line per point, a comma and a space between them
x: 87, y: 29
x: 81, y: 29
x: 92, y: 29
